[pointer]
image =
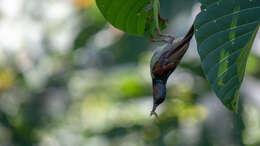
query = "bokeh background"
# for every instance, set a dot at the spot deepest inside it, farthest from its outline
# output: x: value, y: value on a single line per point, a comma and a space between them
x: 68, y: 78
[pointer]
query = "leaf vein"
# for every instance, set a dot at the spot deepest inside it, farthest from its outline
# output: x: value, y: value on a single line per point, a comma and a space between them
x: 229, y: 14
x: 225, y: 43
x: 230, y: 29
x: 226, y: 57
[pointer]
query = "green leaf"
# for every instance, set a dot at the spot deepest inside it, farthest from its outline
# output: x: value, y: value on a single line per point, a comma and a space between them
x: 132, y: 16
x: 225, y: 31
x: 156, y: 10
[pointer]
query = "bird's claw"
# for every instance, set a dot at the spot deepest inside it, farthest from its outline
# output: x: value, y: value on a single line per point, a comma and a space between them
x: 154, y: 40
x: 171, y: 38
x: 158, y: 32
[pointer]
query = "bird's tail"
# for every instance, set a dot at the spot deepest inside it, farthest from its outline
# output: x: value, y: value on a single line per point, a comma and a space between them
x: 184, y: 41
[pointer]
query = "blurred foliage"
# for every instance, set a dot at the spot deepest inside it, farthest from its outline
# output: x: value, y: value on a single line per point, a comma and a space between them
x: 69, y: 78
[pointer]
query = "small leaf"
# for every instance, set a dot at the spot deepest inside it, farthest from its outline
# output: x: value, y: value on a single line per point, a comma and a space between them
x: 225, y: 31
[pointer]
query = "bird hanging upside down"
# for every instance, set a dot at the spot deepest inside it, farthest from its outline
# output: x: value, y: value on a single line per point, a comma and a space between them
x: 163, y: 63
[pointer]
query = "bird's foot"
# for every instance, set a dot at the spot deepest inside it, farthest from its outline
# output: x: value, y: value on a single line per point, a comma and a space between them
x: 171, y: 38
x: 157, y: 41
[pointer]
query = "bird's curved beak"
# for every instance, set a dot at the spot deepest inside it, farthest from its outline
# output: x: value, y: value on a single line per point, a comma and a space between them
x: 159, y: 93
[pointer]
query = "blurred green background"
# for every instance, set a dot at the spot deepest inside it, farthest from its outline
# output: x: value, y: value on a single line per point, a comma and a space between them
x: 68, y: 78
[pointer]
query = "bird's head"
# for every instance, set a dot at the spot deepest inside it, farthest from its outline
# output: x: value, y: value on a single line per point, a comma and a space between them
x: 159, y: 93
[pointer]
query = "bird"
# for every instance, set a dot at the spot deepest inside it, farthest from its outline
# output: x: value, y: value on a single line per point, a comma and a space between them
x: 164, y: 61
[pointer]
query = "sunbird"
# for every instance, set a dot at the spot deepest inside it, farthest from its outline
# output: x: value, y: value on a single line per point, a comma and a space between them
x: 164, y: 61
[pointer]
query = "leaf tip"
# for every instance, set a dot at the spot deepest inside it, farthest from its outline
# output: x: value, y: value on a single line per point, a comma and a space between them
x: 233, y: 105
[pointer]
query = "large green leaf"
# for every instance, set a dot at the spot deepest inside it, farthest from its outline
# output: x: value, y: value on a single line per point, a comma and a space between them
x: 132, y: 16
x: 127, y: 15
x: 225, y: 31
